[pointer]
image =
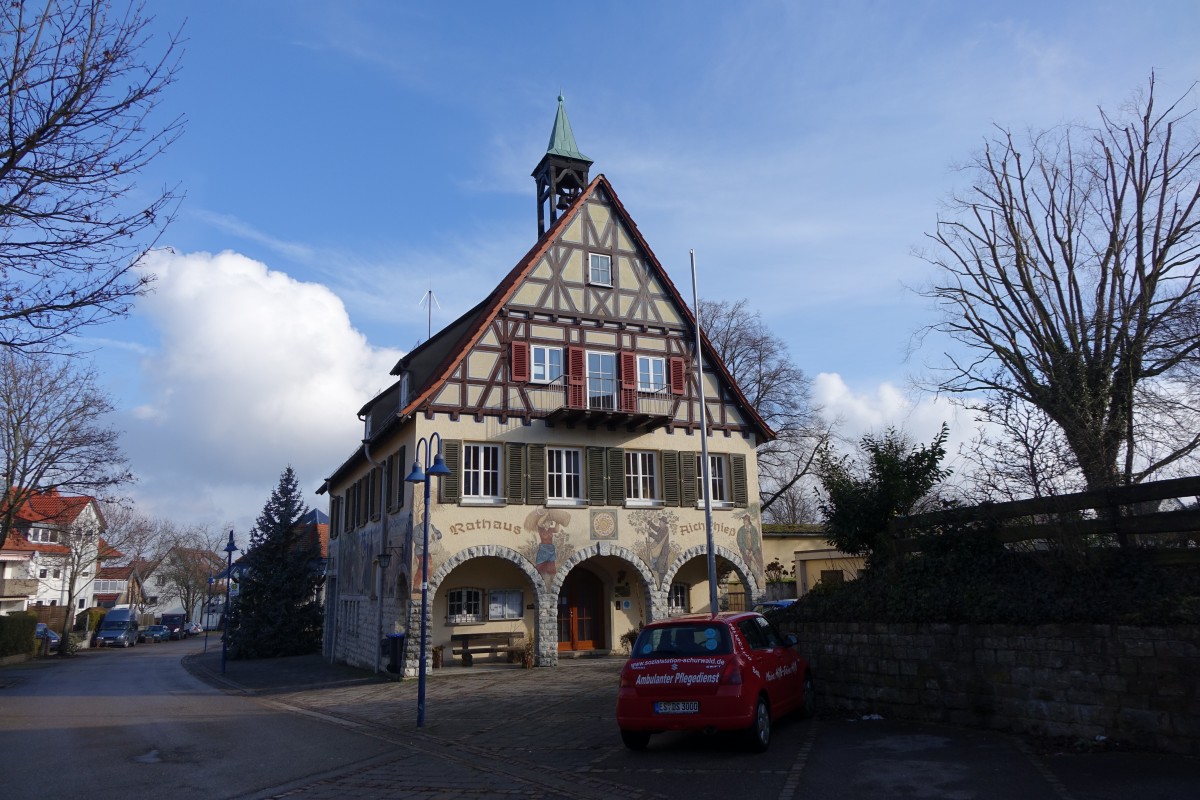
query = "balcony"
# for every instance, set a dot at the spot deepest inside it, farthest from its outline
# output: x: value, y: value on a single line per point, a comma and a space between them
x: 651, y: 409
x: 18, y: 587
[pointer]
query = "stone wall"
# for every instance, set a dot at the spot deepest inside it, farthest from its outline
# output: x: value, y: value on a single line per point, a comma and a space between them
x: 1129, y: 684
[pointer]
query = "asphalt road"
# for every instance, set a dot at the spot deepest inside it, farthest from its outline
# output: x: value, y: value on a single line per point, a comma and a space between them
x: 134, y: 723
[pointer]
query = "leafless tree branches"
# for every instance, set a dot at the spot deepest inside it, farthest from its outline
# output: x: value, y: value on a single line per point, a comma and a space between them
x: 1068, y: 273
x: 781, y: 393
x: 76, y: 102
x: 53, y: 433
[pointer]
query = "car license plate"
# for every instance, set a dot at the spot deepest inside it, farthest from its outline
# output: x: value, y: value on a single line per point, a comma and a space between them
x: 677, y: 707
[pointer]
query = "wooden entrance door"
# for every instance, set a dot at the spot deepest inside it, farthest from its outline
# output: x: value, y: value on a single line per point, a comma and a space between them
x: 580, y: 612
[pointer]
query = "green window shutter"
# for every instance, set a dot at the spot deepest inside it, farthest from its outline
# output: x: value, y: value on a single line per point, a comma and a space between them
x: 687, y: 478
x: 450, y: 486
x: 616, y: 476
x: 535, y: 495
x: 401, y: 474
x: 595, y: 476
x: 670, y: 476
x: 737, y: 469
x: 514, y: 466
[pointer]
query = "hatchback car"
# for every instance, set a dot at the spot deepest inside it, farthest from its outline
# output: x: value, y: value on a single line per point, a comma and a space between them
x: 712, y: 672
x: 44, y: 631
x: 156, y: 633
x: 195, y: 629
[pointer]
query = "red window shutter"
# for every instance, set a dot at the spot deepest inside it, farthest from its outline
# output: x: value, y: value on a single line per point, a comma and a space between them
x: 518, y: 364
x: 628, y: 381
x: 575, y: 377
x: 678, y: 374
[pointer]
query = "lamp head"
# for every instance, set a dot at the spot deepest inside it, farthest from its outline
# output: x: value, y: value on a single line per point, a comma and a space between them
x: 439, y: 467
x: 384, y: 559
x: 231, y: 548
x: 416, y: 476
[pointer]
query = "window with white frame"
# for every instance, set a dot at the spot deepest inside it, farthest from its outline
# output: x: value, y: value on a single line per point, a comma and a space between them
x: 564, y: 475
x: 678, y: 600
x: 464, y: 605
x: 506, y: 604
x: 641, y: 476
x: 545, y: 363
x: 600, y: 269
x: 718, y: 480
x: 481, y: 472
x: 43, y: 535
x: 652, y: 374
x: 602, y: 380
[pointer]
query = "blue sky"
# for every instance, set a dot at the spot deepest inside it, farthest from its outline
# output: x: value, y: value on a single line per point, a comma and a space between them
x: 341, y: 159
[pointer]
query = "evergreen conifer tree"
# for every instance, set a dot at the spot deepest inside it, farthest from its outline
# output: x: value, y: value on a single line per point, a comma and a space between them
x: 277, y: 612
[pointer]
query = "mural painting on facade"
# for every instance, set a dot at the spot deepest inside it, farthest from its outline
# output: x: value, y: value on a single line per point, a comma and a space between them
x: 356, y: 557
x: 656, y: 546
x: 437, y: 553
x: 551, y: 543
x: 604, y: 524
x: 749, y: 543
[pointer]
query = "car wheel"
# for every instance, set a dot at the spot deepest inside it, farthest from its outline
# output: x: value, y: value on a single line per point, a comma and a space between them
x: 635, y: 740
x: 759, y: 733
x: 808, y: 705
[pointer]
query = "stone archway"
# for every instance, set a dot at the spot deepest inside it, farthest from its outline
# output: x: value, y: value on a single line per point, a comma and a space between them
x: 748, y: 578
x: 651, y: 597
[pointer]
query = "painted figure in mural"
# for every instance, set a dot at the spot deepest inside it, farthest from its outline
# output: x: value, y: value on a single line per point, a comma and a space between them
x: 660, y: 544
x: 547, y: 522
x: 435, y: 549
x: 747, y: 542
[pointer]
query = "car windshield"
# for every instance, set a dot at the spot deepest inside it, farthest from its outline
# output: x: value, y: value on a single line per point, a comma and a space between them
x: 113, y: 626
x: 691, y: 639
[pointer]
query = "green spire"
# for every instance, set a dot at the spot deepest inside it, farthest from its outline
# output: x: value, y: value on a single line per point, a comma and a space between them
x: 562, y: 139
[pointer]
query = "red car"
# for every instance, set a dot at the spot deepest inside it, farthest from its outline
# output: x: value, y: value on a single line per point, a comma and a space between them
x: 712, y: 672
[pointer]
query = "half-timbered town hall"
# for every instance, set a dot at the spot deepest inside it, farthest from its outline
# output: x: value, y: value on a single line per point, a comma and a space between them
x: 566, y: 406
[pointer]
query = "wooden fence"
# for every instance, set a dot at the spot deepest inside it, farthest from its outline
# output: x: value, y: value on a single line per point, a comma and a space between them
x: 1125, y: 516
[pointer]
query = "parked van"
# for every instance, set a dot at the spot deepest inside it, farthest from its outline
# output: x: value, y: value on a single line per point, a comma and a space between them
x: 119, y: 628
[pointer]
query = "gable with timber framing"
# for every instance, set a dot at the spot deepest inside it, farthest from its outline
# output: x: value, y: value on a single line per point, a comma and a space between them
x: 587, y: 328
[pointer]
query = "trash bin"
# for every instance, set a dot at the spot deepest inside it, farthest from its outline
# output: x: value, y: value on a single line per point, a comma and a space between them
x: 393, y: 645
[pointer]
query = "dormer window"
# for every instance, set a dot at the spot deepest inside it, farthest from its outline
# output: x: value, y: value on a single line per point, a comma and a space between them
x: 599, y: 269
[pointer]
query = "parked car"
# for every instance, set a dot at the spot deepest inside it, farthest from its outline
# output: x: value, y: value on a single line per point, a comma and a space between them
x: 156, y: 633
x: 771, y: 605
x: 119, y: 628
x: 44, y: 631
x: 712, y: 672
x: 177, y: 624
x: 195, y: 629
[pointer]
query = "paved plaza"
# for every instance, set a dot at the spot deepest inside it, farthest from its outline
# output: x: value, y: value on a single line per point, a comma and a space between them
x: 495, y: 731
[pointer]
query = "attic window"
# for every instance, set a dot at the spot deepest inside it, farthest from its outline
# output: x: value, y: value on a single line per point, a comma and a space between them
x: 600, y: 269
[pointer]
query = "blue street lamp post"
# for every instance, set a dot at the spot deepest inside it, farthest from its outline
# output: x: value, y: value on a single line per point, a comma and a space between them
x: 439, y: 468
x: 207, y: 615
x: 230, y: 549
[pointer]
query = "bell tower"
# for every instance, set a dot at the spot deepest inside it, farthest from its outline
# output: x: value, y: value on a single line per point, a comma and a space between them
x: 561, y: 174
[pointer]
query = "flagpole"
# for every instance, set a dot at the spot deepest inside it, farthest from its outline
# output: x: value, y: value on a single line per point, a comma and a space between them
x: 704, y: 465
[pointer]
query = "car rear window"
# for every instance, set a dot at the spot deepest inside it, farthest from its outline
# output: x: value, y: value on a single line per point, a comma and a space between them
x: 693, y: 639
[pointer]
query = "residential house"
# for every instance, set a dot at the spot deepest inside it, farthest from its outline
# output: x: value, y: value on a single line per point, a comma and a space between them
x: 56, y: 539
x: 178, y: 581
x: 567, y: 407
x: 806, y: 552
x: 118, y: 586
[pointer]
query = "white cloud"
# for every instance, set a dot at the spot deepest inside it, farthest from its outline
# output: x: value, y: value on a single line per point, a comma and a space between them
x: 254, y: 371
x: 871, y: 412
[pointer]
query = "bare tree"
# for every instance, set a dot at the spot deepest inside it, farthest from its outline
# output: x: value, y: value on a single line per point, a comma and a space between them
x: 188, y: 561
x: 52, y: 432
x: 776, y: 387
x: 1017, y: 453
x: 1068, y: 273
x: 76, y: 96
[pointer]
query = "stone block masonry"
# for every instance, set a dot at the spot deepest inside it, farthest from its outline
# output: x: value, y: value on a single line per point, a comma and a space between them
x: 1130, y: 684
